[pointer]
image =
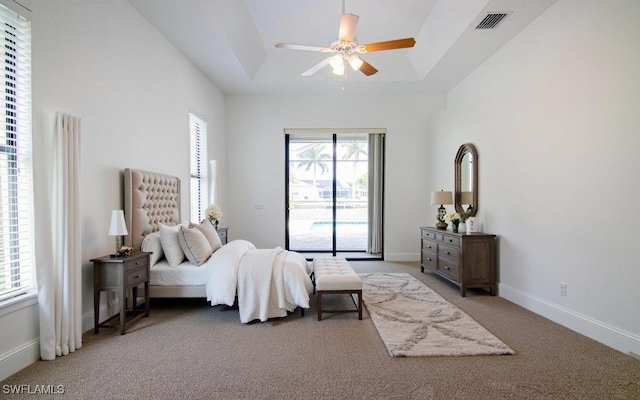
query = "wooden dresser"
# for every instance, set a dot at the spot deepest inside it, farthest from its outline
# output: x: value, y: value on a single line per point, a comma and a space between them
x: 468, y: 260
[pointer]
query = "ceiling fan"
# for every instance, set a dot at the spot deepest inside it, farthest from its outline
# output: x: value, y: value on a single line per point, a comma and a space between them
x: 346, y: 49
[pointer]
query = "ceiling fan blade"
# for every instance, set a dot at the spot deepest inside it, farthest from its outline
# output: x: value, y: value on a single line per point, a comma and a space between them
x: 316, y: 67
x: 348, y: 24
x: 388, y: 45
x: 367, y: 68
x: 292, y: 46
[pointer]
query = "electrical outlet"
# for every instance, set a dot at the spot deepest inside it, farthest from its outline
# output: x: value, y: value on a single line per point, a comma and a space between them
x: 563, y: 289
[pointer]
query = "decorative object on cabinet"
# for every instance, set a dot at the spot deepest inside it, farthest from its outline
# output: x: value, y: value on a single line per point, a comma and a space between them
x: 442, y: 197
x: 472, y: 225
x: 118, y: 228
x: 467, y: 260
x: 121, y: 274
x: 455, y: 219
x: 466, y: 180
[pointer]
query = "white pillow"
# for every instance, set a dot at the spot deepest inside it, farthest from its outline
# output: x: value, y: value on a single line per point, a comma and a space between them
x: 151, y: 243
x: 210, y: 233
x: 194, y: 245
x: 171, y: 244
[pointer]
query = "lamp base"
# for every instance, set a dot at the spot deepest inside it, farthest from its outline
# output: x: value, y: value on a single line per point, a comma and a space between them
x: 442, y: 225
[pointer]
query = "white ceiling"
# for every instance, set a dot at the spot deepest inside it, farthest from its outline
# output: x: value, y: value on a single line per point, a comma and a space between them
x: 233, y: 41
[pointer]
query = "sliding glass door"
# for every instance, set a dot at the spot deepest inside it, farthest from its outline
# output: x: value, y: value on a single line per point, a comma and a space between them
x: 327, y: 179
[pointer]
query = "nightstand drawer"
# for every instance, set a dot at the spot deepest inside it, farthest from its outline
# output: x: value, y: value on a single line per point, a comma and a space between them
x: 223, y: 235
x: 137, y: 276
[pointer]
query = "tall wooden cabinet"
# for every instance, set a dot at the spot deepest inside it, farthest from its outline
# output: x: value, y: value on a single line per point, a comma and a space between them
x: 468, y: 260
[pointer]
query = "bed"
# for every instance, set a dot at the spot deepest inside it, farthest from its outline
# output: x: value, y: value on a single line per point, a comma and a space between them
x: 235, y: 273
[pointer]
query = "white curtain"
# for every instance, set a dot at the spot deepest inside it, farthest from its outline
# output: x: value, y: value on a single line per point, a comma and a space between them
x: 376, y: 192
x: 59, y: 279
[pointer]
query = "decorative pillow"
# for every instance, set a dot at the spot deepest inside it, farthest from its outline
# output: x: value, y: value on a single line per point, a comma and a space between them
x: 171, y: 244
x: 194, y: 245
x: 151, y: 243
x: 209, y: 232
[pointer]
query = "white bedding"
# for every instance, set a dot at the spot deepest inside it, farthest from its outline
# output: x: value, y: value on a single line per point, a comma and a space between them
x: 219, y: 274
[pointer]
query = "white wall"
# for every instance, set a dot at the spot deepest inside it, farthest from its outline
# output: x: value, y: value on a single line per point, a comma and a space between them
x: 555, y: 117
x: 101, y: 61
x: 255, y: 168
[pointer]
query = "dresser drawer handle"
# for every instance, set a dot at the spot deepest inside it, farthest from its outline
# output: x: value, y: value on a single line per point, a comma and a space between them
x: 137, y: 276
x: 446, y: 252
x: 450, y: 240
x: 429, y: 259
x: 428, y: 247
x: 447, y: 268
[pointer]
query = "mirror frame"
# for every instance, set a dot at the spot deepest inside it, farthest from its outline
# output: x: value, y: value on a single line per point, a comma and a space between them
x: 467, y: 148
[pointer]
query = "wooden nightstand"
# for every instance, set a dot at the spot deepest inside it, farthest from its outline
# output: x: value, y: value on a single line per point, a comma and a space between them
x: 222, y: 232
x: 119, y: 274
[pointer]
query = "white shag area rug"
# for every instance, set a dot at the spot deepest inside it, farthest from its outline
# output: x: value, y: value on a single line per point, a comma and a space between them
x: 414, y: 321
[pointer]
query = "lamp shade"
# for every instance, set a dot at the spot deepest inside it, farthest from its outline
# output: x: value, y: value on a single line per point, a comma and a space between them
x: 441, y: 197
x: 466, y: 198
x: 118, y: 226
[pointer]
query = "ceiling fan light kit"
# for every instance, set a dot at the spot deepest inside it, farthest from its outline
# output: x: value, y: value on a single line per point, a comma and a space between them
x: 345, y: 48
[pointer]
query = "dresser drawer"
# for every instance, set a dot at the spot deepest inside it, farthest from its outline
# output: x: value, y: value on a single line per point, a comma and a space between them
x: 450, y: 269
x: 429, y: 235
x: 429, y: 247
x: 452, y: 254
x: 429, y: 260
x: 451, y: 240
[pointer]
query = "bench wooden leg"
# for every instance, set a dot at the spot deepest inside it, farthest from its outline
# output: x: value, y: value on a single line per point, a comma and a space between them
x: 319, y: 306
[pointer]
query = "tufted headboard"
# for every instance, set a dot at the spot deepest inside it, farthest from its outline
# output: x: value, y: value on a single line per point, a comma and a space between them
x: 150, y: 199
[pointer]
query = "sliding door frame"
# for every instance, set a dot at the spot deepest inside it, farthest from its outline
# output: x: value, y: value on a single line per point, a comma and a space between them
x: 334, y: 140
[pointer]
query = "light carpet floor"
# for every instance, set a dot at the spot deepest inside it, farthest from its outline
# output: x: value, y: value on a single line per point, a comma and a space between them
x: 414, y: 321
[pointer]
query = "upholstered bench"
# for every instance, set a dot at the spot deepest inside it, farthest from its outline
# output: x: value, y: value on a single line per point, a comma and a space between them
x: 335, y: 276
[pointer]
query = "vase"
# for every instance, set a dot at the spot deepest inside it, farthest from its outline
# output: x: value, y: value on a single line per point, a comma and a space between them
x: 462, y: 227
x: 455, y: 226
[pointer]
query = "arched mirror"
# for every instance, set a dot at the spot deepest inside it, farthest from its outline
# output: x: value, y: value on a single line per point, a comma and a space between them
x: 466, y: 179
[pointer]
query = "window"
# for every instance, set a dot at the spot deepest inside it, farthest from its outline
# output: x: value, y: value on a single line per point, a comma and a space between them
x: 16, y: 207
x: 198, y: 134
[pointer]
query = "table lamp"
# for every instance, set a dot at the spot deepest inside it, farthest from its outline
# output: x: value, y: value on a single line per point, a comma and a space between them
x: 442, y: 197
x: 118, y: 228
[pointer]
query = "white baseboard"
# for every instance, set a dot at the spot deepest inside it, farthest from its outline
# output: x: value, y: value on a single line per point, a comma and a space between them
x: 606, y: 334
x: 400, y: 257
x: 107, y: 310
x: 19, y: 358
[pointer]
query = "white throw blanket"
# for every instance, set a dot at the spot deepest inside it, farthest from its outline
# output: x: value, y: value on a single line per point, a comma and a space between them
x: 277, y: 283
x: 260, y: 286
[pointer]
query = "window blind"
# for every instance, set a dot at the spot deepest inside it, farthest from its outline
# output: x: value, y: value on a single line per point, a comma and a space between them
x: 16, y: 204
x: 198, y: 134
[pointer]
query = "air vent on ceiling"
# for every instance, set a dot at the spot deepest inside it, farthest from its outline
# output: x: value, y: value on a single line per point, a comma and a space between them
x: 492, y: 20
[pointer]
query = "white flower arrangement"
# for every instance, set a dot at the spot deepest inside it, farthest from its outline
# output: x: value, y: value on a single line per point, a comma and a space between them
x: 213, y: 213
x: 452, y: 216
